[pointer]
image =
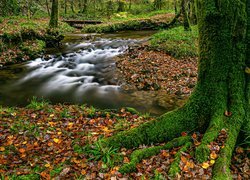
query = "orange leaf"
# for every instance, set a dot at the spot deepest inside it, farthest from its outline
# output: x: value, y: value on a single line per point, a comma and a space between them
x: 184, y: 159
x: 165, y: 153
x: 126, y: 160
x: 50, y: 144
x: 45, y: 175
x: 2, y: 148
x: 194, y: 136
x: 21, y: 150
x: 213, y: 155
x: 184, y: 134
x: 190, y: 164
x: 76, y: 161
x: 83, y: 172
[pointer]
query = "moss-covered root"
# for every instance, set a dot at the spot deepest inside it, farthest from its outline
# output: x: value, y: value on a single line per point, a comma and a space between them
x: 202, y: 152
x: 140, y: 154
x: 174, y: 168
x: 221, y: 169
x: 162, y: 129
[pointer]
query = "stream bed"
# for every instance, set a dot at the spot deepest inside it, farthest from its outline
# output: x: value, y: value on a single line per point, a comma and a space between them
x: 82, y: 71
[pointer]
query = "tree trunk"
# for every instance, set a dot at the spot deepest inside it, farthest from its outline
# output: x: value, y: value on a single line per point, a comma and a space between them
x: 47, y: 7
x: 185, y: 16
x: 65, y: 6
x: 54, y: 15
x: 220, y: 100
x: 72, y: 6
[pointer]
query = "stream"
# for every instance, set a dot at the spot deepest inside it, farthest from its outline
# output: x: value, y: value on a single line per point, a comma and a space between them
x: 82, y: 71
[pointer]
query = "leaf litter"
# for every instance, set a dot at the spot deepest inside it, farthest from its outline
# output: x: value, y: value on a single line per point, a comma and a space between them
x: 53, y: 142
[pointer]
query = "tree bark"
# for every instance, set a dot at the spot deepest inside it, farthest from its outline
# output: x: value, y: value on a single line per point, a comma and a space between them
x: 54, y: 14
x: 47, y: 6
x: 220, y: 100
x: 185, y: 16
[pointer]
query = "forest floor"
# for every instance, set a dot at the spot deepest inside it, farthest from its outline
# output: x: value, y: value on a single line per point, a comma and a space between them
x: 43, y: 141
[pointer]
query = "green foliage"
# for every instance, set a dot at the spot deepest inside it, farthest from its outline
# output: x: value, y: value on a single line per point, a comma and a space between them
x: 177, y: 42
x: 134, y: 24
x: 106, y: 154
x: 32, y: 48
x: 37, y: 104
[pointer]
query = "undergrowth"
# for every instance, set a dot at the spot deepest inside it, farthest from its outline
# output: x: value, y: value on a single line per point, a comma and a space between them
x: 177, y: 42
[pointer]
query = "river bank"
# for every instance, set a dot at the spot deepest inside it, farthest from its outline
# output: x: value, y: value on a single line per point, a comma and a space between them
x: 23, y: 39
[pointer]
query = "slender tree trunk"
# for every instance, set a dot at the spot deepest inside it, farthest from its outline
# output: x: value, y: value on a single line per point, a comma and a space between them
x: 54, y: 14
x: 72, y: 6
x: 47, y: 6
x: 175, y: 7
x: 65, y: 6
x: 185, y: 16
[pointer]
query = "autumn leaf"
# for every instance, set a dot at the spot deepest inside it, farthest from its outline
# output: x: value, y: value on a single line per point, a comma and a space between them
x: 205, y: 165
x: 47, y: 165
x: 56, y: 140
x: 126, y: 160
x: 165, y: 153
x: 22, y: 150
x: 184, y: 159
x: 212, y: 162
x: 213, y: 155
x: 45, y: 175
x: 50, y: 144
x: 228, y: 113
x: 2, y: 148
x: 184, y: 134
x: 83, y: 172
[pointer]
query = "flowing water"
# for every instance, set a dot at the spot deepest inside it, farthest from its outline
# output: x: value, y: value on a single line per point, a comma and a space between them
x: 80, y: 72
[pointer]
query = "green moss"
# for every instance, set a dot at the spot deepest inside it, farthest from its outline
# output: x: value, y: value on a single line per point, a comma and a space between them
x: 32, y: 48
x: 162, y: 129
x: 174, y: 168
x: 135, y: 24
x: 140, y: 154
x: 177, y: 42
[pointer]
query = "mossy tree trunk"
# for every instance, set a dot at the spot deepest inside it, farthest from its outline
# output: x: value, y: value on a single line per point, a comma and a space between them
x: 221, y: 97
x: 185, y: 15
x: 53, y: 23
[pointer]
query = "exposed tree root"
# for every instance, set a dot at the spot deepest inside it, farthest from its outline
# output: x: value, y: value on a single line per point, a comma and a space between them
x: 138, y: 155
x: 162, y: 129
x: 202, y: 152
x: 221, y: 168
x: 174, y: 168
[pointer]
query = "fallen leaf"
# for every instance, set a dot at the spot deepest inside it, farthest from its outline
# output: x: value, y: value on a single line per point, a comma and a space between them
x: 65, y: 171
x: 83, y: 172
x: 212, y: 162
x: 22, y: 150
x: 227, y: 113
x: 205, y: 165
x: 2, y: 148
x: 56, y: 140
x: 213, y: 155
x: 184, y: 134
x: 47, y: 165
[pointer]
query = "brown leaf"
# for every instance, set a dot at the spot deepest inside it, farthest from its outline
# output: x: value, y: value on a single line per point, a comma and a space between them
x: 228, y: 113
x: 65, y: 171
